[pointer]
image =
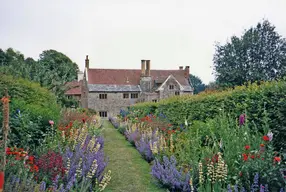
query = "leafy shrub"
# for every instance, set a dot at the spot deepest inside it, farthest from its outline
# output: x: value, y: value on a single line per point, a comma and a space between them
x: 252, y: 98
x: 31, y: 108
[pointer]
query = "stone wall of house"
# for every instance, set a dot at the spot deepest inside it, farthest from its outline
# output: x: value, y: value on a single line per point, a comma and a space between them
x: 112, y: 104
x: 150, y: 96
x: 169, y: 92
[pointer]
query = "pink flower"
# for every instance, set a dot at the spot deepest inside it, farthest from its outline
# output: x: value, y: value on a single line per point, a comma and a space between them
x: 51, y: 122
x: 242, y: 119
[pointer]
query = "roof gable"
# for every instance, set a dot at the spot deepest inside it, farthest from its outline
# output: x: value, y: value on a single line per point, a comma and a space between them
x: 170, y: 77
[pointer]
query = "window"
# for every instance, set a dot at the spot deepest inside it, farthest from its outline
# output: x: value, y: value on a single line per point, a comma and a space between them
x: 103, y: 96
x: 125, y: 95
x: 171, y: 86
x: 154, y: 100
x: 177, y: 93
x: 103, y: 113
x: 134, y: 95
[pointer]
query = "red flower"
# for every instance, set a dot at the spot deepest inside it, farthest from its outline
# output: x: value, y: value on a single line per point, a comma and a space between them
x: 278, y: 159
x: 83, y: 120
x: 247, y: 147
x: 163, y: 129
x: 169, y: 125
x: 265, y: 138
x: 252, y: 156
x: 245, y: 157
x: 240, y: 174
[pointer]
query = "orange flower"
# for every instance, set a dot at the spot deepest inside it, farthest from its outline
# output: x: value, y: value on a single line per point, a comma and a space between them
x: 262, y: 145
x: 5, y: 100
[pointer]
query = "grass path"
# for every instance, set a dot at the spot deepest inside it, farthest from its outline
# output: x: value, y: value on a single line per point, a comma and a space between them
x: 129, y: 172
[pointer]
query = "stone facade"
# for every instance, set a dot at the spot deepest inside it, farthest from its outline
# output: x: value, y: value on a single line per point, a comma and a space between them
x: 109, y: 90
x: 113, y: 102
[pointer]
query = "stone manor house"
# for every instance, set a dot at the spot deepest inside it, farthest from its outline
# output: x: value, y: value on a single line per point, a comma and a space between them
x: 109, y: 90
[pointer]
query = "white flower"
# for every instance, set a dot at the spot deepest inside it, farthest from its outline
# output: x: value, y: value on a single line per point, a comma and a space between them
x: 186, y: 122
x: 270, y: 135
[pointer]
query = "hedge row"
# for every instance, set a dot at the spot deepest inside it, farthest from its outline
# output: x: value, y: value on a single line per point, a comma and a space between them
x: 252, y: 99
x: 31, y: 108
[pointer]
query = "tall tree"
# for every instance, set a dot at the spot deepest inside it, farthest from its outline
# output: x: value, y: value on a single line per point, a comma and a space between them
x: 52, y: 70
x: 258, y: 55
x: 197, y: 84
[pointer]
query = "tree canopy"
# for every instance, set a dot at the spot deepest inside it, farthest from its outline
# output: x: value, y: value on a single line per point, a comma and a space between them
x: 52, y: 70
x: 197, y: 84
x: 258, y: 55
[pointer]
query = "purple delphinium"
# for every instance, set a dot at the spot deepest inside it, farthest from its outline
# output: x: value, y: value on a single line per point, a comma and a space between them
x: 235, y: 188
x: 229, y: 188
x: 144, y: 149
x: 255, y: 185
x: 113, y: 122
x: 85, y: 154
x: 167, y: 174
x: 133, y: 136
x: 143, y: 146
x: 43, y: 186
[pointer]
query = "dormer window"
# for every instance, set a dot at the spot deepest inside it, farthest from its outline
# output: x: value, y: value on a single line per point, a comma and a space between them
x: 171, y: 87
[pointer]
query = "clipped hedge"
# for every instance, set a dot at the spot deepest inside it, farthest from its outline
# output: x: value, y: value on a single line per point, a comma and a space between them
x: 31, y: 108
x: 252, y: 99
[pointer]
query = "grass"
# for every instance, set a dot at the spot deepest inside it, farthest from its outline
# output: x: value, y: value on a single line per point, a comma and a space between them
x: 129, y: 172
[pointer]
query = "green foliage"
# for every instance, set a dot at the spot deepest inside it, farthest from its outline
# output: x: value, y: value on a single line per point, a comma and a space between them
x: 52, y: 70
x: 252, y: 98
x: 197, y: 84
x: 258, y: 55
x: 31, y: 108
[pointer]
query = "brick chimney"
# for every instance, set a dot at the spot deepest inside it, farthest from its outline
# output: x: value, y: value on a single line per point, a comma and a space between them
x: 181, y: 67
x: 187, y: 71
x: 87, y: 62
x: 148, y: 74
x: 142, y: 67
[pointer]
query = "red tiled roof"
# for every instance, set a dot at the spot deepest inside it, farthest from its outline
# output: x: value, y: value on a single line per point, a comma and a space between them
x: 74, y: 88
x: 119, y: 76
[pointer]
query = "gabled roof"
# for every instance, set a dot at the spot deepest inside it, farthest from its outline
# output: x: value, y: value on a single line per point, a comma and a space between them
x: 170, y: 76
x: 73, y: 88
x: 130, y: 76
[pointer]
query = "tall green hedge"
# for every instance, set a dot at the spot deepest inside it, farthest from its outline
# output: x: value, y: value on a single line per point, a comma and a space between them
x: 31, y: 108
x: 252, y: 99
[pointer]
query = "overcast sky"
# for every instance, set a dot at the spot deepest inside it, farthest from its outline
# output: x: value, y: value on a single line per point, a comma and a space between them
x: 119, y: 33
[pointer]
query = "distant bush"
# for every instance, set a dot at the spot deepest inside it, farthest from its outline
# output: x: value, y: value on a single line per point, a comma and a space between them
x: 253, y: 99
x: 31, y: 108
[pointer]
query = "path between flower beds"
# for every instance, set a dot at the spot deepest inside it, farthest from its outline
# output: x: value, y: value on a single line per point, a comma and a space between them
x: 129, y: 172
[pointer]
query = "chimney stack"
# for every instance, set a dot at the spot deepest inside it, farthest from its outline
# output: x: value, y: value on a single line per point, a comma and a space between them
x: 87, y: 62
x: 187, y: 71
x: 142, y: 67
x: 181, y: 67
x: 148, y: 68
